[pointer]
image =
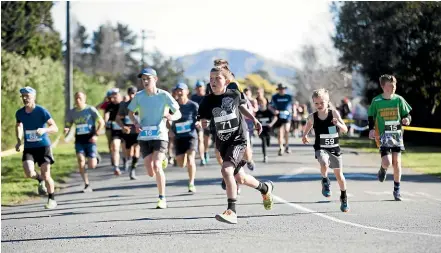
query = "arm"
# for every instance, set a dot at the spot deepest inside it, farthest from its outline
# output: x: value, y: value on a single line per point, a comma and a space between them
x: 174, y: 113
x: 100, y: 120
x: 52, y: 128
x: 308, y: 127
x: 338, y: 121
x: 18, y: 135
x: 243, y: 109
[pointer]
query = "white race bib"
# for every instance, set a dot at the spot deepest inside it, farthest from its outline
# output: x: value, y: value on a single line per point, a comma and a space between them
x: 226, y: 124
x: 83, y: 129
x: 115, y: 126
x: 183, y: 127
x: 392, y: 136
x: 149, y: 133
x: 264, y: 121
x: 128, y: 121
x: 284, y: 114
x: 329, y: 140
x: 32, y: 136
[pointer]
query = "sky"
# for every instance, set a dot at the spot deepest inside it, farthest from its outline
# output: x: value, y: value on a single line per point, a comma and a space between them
x: 275, y: 29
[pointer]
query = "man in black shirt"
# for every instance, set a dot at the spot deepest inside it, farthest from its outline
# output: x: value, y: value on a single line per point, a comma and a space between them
x: 116, y: 131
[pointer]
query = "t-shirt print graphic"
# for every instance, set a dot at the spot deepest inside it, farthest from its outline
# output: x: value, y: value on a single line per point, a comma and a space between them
x: 225, y: 119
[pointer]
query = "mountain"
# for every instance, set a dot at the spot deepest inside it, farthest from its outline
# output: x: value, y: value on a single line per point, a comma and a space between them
x: 242, y: 63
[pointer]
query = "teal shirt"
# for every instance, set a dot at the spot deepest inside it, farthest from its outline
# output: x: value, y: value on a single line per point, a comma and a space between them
x: 151, y: 110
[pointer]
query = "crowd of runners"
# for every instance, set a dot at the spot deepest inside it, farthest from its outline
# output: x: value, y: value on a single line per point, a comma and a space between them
x: 155, y: 127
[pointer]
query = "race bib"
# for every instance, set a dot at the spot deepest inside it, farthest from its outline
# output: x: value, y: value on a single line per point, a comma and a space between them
x: 83, y: 129
x: 226, y: 124
x: 264, y: 121
x: 149, y: 133
x: 392, y: 136
x: 329, y: 140
x: 108, y: 124
x: 183, y: 127
x: 284, y: 114
x: 115, y: 126
x: 32, y: 136
x: 128, y: 121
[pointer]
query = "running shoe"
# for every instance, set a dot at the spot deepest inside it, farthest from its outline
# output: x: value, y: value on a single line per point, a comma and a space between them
x: 397, y: 195
x: 191, y: 188
x: 326, y: 191
x: 87, y: 189
x: 268, y: 197
x: 382, y: 174
x: 42, y: 190
x: 162, y: 204
x: 51, y: 204
x: 344, y: 206
x: 227, y: 216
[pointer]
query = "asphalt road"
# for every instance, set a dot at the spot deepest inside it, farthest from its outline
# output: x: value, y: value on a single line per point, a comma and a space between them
x: 120, y: 215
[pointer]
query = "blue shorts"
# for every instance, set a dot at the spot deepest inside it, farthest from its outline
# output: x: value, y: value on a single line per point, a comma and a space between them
x: 87, y: 149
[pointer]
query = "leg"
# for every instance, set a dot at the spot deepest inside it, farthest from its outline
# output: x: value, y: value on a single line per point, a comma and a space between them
x: 323, y: 157
x: 201, y: 146
x: 338, y: 172
x: 157, y: 158
x: 191, y: 166
x: 82, y: 167
x: 286, y: 136
x: 116, y: 143
x: 386, y: 161
x: 396, y: 163
x: 46, y: 176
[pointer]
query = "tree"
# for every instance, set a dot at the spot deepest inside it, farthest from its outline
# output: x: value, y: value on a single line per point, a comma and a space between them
x: 169, y: 71
x: 27, y: 29
x: 399, y: 38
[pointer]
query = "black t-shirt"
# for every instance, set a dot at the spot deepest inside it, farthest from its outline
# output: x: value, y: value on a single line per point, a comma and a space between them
x: 196, y: 98
x: 223, y: 111
x: 265, y: 118
x: 113, y: 110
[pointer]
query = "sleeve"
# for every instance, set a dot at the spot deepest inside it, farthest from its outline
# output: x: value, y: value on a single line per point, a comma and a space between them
x: 95, y: 114
x: 123, y: 109
x: 242, y: 98
x: 69, y: 120
x: 17, y: 118
x: 273, y: 101
x: 133, y: 104
x: 405, y: 108
x: 171, y: 102
x: 204, y: 110
x: 195, y: 110
x: 46, y: 115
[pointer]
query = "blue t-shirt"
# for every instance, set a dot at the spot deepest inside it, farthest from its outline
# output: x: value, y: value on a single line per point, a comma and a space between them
x: 282, y: 103
x: 31, y: 122
x: 185, y: 126
x: 196, y: 98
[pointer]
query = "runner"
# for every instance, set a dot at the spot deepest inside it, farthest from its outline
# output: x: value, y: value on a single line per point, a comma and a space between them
x: 102, y: 106
x: 281, y: 106
x: 327, y: 124
x: 297, y: 112
x: 129, y: 132
x: 184, y: 130
x: 35, y: 122
x: 253, y: 108
x: 153, y: 103
x: 116, y: 131
x: 85, y: 118
x: 224, y: 107
x: 198, y: 97
x: 267, y: 118
x: 388, y: 111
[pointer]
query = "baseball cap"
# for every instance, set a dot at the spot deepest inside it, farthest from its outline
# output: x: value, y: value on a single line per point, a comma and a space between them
x: 112, y: 91
x: 28, y: 89
x: 281, y: 86
x: 181, y: 86
x: 147, y: 72
x: 132, y: 90
x: 200, y: 83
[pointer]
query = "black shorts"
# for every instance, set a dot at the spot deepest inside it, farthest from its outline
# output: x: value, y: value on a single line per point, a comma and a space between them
x: 38, y: 155
x: 295, y: 124
x: 148, y: 147
x: 386, y: 151
x: 281, y: 122
x: 117, y: 134
x: 182, y: 145
x: 232, y: 151
x: 130, y: 139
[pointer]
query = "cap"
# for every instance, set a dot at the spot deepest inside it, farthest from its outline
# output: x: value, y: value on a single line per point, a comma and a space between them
x: 147, y: 72
x: 281, y: 86
x: 112, y: 91
x: 181, y: 86
x: 200, y: 83
x: 132, y: 90
x: 28, y: 89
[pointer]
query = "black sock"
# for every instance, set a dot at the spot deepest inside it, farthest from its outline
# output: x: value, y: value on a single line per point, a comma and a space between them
x: 86, y: 185
x: 325, y: 180
x: 396, y: 186
x: 232, y: 205
x: 51, y: 196
x: 161, y: 197
x: 38, y: 178
x: 343, y: 194
x: 134, y: 162
x: 263, y: 188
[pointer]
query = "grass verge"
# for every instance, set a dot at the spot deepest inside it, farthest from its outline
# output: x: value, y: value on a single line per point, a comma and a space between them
x: 16, y: 188
x: 418, y: 158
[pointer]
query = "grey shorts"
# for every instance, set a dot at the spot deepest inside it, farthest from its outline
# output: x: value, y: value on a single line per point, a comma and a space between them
x: 148, y: 147
x: 329, y: 159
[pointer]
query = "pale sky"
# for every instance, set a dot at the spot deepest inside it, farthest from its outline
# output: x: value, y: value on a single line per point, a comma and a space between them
x: 274, y: 29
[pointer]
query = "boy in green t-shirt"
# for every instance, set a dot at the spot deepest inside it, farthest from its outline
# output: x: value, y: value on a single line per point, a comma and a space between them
x: 388, y: 111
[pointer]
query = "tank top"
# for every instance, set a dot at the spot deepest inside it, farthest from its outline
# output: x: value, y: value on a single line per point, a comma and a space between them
x: 326, y: 134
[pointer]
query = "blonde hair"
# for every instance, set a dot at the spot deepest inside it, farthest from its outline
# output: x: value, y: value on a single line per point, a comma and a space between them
x: 323, y: 93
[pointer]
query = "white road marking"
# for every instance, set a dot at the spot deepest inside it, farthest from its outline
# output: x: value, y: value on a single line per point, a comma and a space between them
x: 427, y: 196
x: 304, y: 209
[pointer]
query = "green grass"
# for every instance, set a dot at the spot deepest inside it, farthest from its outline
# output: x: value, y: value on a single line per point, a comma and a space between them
x: 16, y: 188
x: 419, y: 158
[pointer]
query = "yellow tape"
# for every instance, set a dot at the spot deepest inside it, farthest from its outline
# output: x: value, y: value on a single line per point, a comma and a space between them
x: 422, y: 129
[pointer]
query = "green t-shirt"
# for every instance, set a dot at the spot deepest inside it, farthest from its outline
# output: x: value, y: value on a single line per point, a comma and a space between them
x: 387, y: 114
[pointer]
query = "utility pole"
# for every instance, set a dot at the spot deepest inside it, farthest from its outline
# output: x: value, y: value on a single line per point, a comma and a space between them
x: 144, y: 36
x: 68, y: 86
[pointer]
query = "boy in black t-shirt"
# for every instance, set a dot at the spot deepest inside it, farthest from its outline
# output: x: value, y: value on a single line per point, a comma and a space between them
x: 267, y: 118
x: 225, y: 108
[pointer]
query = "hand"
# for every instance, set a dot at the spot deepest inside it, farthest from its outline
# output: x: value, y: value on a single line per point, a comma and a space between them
x: 258, y: 127
x: 17, y: 146
x: 168, y: 117
x: 126, y: 129
x: 277, y: 112
x: 138, y: 128
x: 305, y: 139
x: 204, y: 123
x: 198, y: 125
x: 41, y: 131
x: 372, y: 134
x: 66, y: 130
x: 405, y: 121
x: 93, y: 139
x: 335, y: 121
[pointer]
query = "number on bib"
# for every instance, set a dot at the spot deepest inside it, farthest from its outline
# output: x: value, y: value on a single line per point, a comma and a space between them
x: 149, y: 133
x: 329, y: 140
x: 183, y: 127
x: 32, y: 136
x: 226, y: 124
x: 284, y: 114
x: 83, y: 129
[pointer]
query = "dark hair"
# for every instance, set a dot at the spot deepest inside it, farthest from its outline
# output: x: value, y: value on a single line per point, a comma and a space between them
x: 387, y: 78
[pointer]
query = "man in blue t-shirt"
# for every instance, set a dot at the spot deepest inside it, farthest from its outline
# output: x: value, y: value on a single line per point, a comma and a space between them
x: 35, y: 122
x: 281, y: 105
x: 197, y: 97
x: 186, y: 137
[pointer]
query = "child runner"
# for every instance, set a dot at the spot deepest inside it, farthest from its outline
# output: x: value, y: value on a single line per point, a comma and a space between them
x: 225, y: 108
x: 388, y: 111
x: 327, y: 124
x: 267, y: 118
